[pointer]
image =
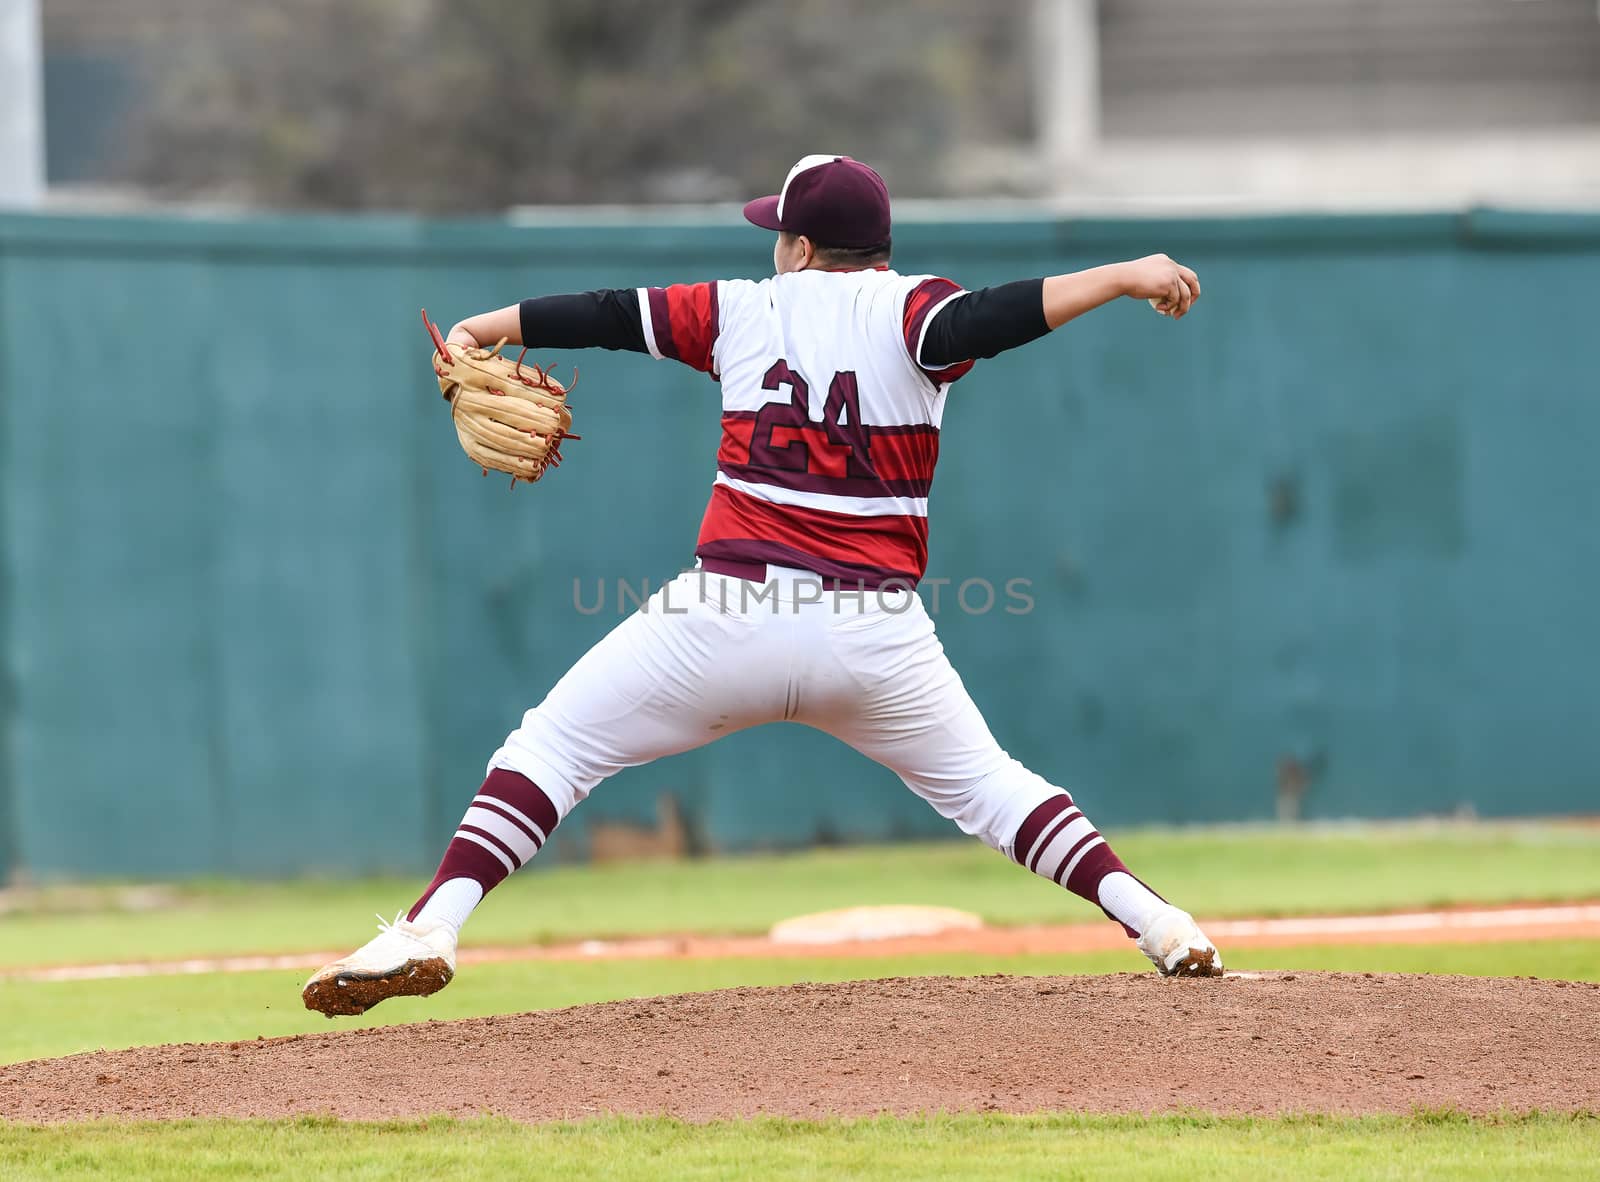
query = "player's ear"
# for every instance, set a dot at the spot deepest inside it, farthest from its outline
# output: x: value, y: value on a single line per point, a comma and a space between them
x: 806, y: 252
x: 784, y: 255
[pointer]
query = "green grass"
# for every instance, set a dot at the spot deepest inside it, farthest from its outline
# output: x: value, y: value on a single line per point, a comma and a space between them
x: 1425, y: 1145
x: 1215, y: 872
x: 46, y: 1019
x: 1212, y: 872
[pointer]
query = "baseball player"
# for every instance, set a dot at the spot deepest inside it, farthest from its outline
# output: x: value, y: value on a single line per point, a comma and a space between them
x: 801, y: 608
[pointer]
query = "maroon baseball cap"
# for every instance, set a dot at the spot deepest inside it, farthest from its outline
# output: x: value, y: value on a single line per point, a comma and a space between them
x: 832, y: 200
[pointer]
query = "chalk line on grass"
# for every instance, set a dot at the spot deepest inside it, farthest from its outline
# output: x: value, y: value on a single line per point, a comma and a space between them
x: 1570, y: 921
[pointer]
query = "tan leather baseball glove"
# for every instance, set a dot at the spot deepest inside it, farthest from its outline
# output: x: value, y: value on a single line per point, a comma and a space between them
x: 509, y: 416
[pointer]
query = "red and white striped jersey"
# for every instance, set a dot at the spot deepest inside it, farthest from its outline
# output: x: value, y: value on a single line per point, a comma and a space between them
x: 830, y: 426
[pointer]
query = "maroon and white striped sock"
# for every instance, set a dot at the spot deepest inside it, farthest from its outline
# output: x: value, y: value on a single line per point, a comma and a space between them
x: 507, y: 822
x: 1058, y: 842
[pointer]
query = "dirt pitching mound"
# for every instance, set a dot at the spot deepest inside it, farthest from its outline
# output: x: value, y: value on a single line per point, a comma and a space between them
x: 1292, y: 1042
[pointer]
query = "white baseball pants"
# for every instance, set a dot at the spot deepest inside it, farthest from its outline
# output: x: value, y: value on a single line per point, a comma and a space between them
x: 708, y: 655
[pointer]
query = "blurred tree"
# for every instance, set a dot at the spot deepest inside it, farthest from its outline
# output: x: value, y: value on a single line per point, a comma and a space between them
x: 472, y: 105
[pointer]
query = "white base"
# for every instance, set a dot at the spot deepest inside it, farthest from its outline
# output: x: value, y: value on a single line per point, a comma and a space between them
x: 872, y: 923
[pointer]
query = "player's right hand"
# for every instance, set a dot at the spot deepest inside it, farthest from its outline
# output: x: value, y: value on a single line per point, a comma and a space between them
x: 1170, y: 287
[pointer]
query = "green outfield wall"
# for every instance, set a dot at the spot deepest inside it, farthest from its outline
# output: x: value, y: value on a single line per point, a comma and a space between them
x: 1333, y: 537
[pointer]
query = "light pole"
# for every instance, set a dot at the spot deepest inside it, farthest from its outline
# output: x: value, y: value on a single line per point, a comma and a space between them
x: 21, y: 104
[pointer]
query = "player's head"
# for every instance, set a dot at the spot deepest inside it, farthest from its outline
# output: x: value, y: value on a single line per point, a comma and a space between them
x: 832, y: 214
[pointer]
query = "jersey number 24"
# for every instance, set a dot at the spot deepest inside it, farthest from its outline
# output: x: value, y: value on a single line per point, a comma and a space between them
x: 786, y: 438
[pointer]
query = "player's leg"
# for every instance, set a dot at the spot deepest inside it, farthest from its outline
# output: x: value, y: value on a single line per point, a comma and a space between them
x: 902, y: 704
x: 669, y: 678
x: 675, y: 676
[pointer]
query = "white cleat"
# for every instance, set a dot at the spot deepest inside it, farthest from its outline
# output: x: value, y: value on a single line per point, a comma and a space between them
x: 1178, y: 948
x: 404, y: 959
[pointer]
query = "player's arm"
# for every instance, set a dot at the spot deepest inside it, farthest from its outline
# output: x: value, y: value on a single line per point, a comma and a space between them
x: 605, y: 319
x: 1155, y: 277
x: 488, y: 327
x: 680, y: 322
x: 988, y: 322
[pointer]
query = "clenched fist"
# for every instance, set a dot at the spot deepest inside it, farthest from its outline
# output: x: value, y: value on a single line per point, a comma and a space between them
x: 1170, y: 287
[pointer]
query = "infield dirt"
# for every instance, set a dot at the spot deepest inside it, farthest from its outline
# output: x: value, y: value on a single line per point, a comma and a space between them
x: 1248, y: 1043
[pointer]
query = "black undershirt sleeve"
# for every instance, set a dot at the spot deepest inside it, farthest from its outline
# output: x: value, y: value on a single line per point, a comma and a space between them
x: 985, y: 323
x: 605, y: 319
